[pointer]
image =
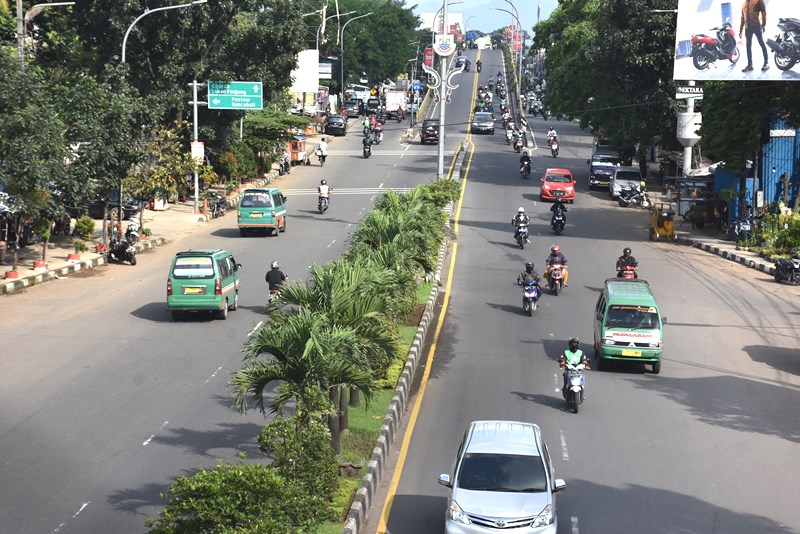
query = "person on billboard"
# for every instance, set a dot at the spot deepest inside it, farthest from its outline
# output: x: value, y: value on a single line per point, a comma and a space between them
x: 754, y: 22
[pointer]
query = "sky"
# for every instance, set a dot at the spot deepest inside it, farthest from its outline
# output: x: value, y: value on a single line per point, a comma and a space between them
x: 486, y: 19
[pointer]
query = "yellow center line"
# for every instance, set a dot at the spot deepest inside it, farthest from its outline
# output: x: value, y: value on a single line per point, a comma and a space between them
x: 401, y: 458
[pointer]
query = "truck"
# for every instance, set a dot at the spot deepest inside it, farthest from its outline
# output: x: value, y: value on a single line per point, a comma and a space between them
x: 484, y: 43
x: 394, y: 100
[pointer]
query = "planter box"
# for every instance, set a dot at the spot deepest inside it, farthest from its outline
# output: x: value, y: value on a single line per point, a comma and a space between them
x: 73, y: 257
x: 11, y: 275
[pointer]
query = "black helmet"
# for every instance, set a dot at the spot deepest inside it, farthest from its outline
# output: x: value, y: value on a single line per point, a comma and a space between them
x: 274, y: 264
x: 529, y: 267
x: 574, y: 343
x: 626, y: 252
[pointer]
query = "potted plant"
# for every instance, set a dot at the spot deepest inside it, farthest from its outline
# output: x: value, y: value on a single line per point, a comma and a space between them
x: 80, y: 246
x: 42, y: 228
x: 146, y: 233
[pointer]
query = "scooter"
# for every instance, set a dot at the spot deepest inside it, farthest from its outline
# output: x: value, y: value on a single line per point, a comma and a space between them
x: 555, y: 278
x: 509, y: 136
x: 638, y: 196
x: 559, y: 221
x: 707, y: 49
x: 788, y: 271
x: 322, y: 157
x: 575, y: 382
x: 218, y: 206
x: 478, y: 68
x: 121, y: 251
x: 285, y: 166
x: 518, y: 143
x: 740, y: 230
x: 530, y: 295
x: 627, y: 271
x: 367, y: 150
x: 132, y: 232
x: 786, y: 45
x: 525, y: 169
x: 522, y: 236
x: 554, y: 148
x: 322, y: 204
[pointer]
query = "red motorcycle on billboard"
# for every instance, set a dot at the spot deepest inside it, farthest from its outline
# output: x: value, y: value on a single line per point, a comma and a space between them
x: 706, y: 49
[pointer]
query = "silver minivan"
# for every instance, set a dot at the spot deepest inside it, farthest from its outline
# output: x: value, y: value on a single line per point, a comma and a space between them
x: 503, y: 479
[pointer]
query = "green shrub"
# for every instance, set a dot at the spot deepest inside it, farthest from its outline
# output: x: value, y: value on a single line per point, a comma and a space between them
x: 79, y: 245
x: 237, y: 498
x: 42, y: 227
x: 84, y: 227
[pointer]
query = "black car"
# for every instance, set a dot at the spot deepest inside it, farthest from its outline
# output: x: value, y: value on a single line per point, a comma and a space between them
x: 352, y: 108
x: 429, y: 131
x: 129, y: 208
x: 336, y: 125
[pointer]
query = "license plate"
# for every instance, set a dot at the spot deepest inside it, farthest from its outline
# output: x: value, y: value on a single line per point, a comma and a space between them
x: 255, y: 214
x: 628, y: 352
x: 194, y: 290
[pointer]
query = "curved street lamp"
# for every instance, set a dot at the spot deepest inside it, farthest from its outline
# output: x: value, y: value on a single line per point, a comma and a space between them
x: 519, y: 77
x: 22, y: 25
x: 147, y: 12
x: 341, y: 50
x: 444, y: 22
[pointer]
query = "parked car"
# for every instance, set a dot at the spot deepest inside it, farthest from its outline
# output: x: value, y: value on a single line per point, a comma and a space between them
x: 128, y: 207
x: 623, y: 178
x: 557, y: 183
x: 336, y: 125
x: 482, y: 122
x: 502, y: 480
x: 203, y: 281
x: 429, y: 131
x: 351, y: 108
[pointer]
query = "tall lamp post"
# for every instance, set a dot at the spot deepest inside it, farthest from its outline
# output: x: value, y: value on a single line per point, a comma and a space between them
x: 444, y: 19
x: 22, y: 25
x: 519, y: 77
x: 329, y: 18
x: 521, y: 40
x: 149, y: 11
x: 341, y: 50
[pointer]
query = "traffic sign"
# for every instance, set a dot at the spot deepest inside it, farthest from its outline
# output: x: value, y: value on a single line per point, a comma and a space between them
x: 416, y: 86
x: 235, y: 95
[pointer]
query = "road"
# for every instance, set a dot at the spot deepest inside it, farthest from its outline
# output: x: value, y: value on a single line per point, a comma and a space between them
x: 707, y: 446
x: 106, y: 400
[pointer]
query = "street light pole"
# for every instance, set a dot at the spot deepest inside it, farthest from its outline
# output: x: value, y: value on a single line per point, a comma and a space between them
x: 147, y: 12
x: 341, y: 51
x: 519, y: 77
x: 442, y: 99
x: 327, y: 19
x: 22, y: 25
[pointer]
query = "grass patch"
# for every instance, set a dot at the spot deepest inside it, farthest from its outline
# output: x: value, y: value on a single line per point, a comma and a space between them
x: 365, y: 425
x: 424, y: 292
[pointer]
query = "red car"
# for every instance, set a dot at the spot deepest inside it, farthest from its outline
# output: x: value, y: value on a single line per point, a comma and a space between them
x: 557, y: 183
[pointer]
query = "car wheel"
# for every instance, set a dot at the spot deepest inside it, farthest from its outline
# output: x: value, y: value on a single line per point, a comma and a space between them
x: 223, y: 313
x: 283, y: 228
x: 113, y: 213
x: 656, y: 368
x: 235, y: 305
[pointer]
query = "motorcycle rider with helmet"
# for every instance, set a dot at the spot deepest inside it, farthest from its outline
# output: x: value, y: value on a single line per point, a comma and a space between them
x: 626, y: 260
x: 556, y: 257
x: 573, y: 356
x: 520, y: 221
x: 551, y: 136
x: 324, y: 191
x: 524, y: 159
x: 558, y: 205
x: 529, y: 272
x: 322, y: 150
x: 274, y: 279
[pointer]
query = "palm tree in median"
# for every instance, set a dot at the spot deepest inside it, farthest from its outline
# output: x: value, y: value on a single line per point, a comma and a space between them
x: 308, y: 357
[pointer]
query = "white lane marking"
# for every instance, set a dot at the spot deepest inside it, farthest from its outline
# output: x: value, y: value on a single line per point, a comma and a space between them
x: 349, y: 225
x: 574, y: 521
x: 380, y: 186
x: 331, y: 244
x: 210, y: 378
x: 555, y: 380
x: 148, y: 440
x: 256, y: 327
x: 564, y: 451
x: 62, y: 525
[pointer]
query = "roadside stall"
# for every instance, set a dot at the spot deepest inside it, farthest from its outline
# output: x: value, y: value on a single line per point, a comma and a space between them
x: 297, y: 151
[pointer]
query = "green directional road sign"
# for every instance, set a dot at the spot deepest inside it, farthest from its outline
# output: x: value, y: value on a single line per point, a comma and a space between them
x: 235, y: 95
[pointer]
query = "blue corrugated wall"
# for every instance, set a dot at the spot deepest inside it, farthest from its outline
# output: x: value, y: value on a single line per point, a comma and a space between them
x: 781, y: 154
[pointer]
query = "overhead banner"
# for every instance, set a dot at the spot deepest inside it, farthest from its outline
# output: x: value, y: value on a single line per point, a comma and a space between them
x: 708, y: 45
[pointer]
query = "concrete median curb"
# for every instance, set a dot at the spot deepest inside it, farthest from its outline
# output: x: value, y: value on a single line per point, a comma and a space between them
x: 750, y: 260
x: 365, y: 495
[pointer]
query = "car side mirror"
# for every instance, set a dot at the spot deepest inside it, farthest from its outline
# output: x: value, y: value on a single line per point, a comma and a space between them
x: 559, y: 485
x: 588, y: 162
x: 238, y: 266
x: 541, y: 180
x: 283, y: 197
x: 444, y: 480
x: 663, y: 320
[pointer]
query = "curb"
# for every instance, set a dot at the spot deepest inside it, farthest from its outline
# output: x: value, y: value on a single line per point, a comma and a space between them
x: 728, y: 255
x: 362, y: 501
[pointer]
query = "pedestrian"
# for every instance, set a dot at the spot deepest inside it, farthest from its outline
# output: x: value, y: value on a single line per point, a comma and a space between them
x: 754, y: 22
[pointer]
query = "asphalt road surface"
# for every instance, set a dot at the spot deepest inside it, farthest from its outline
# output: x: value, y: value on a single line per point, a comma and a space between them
x: 105, y: 400
x: 707, y: 446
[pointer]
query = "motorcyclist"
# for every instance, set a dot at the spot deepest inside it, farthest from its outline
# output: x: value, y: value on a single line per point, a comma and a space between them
x: 557, y: 206
x: 275, y: 276
x: 626, y: 260
x: 524, y: 160
x: 520, y: 221
x: 499, y: 75
x: 323, y: 149
x: 367, y: 142
x: 529, y: 272
x: 551, y: 135
x: 324, y: 191
x: 573, y: 356
x: 556, y: 257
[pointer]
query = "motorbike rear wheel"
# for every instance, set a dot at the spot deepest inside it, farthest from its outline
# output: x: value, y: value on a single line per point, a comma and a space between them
x: 701, y: 60
x: 784, y: 61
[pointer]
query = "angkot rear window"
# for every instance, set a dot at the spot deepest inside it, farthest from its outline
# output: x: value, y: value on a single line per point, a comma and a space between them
x: 193, y: 267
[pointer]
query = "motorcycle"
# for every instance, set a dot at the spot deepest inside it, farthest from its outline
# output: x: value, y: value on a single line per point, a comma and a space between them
x: 638, y: 196
x: 525, y: 169
x: 285, y: 166
x: 377, y: 136
x: 322, y: 157
x: 322, y: 204
x: 530, y: 295
x: 573, y: 390
x: 740, y: 230
x: 555, y: 278
x: 627, y: 271
x: 554, y: 148
x: 121, y: 251
x: 522, y: 236
x: 400, y: 115
x: 518, y: 143
x: 273, y: 293
x: 491, y: 86
x: 706, y: 49
x: 788, y: 271
x: 559, y: 222
x: 786, y: 46
x: 132, y: 232
x: 367, y: 150
x: 509, y: 135
x: 218, y: 206
x: 478, y: 68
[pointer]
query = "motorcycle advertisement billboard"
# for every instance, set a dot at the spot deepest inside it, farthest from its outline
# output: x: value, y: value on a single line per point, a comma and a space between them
x: 737, y: 40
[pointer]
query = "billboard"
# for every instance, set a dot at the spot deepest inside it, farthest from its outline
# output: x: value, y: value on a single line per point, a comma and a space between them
x: 708, y: 45
x: 305, y: 78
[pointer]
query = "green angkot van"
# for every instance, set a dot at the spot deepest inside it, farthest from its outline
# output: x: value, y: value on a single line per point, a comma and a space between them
x: 203, y: 281
x: 628, y: 325
x: 261, y: 209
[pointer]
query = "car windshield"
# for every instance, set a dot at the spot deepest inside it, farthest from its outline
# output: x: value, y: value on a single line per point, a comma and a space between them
x: 193, y: 267
x: 430, y: 124
x: 639, y: 317
x: 482, y: 117
x: 628, y: 175
x: 559, y: 178
x: 502, y: 472
x: 256, y: 200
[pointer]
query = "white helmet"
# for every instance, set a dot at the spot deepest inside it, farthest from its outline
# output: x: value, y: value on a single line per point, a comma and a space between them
x: 521, y: 210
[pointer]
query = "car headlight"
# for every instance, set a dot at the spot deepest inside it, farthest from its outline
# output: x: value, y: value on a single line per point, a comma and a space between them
x: 455, y: 513
x: 570, y: 188
x: 545, y: 186
x: 608, y: 341
x: 545, y: 518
